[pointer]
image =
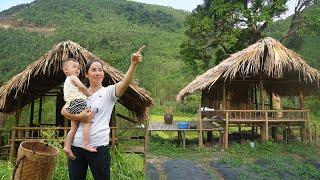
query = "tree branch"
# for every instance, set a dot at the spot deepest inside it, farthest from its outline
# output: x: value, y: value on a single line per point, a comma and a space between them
x: 296, y: 19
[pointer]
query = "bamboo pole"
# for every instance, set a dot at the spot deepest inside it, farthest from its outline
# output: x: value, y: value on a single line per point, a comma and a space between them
x: 223, y: 96
x: 200, y: 127
x: 40, y: 110
x: 12, y: 143
x: 267, y: 127
x: 31, y: 113
x: 225, y: 141
x: 316, y: 134
x: 303, y: 128
x: 309, y: 128
x: 18, y: 113
x: 261, y: 95
x: 145, y: 143
x: 113, y: 130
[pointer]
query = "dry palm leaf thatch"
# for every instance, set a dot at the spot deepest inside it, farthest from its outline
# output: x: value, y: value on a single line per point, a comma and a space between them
x: 46, y: 73
x: 282, y: 70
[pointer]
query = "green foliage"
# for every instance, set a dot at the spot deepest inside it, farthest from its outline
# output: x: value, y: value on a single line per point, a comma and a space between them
x: 6, y: 169
x: 126, y: 166
x: 217, y: 28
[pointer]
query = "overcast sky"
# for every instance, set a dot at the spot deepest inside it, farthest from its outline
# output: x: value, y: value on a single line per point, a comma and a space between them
x: 187, y: 5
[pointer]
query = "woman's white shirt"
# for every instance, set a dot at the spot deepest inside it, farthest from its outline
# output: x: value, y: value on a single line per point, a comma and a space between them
x: 101, y: 103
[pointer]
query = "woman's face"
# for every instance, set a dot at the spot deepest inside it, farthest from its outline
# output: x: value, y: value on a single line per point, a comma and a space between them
x: 95, y: 74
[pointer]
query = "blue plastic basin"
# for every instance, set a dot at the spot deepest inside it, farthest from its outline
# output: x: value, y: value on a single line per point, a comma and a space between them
x: 183, y: 125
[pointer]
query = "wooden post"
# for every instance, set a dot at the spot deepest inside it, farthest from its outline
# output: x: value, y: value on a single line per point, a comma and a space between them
x: 261, y: 94
x: 309, y: 127
x: 224, y: 103
x: 200, y: 127
x: 183, y: 135
x: 40, y: 110
x: 267, y: 126
x: 60, y: 120
x: 263, y: 132
x: 303, y: 128
x: 113, y: 124
x: 302, y: 132
x: 301, y: 100
x: 31, y: 113
x: 316, y: 134
x: 18, y: 113
x: 12, y: 143
x: 225, y: 141
x: 274, y: 130
x: 146, y: 141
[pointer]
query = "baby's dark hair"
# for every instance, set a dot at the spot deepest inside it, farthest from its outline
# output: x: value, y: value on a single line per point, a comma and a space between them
x: 88, y: 64
x: 66, y: 61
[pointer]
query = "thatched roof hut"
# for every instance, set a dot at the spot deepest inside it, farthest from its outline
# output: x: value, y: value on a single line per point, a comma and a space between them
x: 46, y: 73
x: 281, y: 70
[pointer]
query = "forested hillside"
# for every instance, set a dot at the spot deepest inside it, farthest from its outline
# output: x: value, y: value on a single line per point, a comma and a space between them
x: 112, y: 30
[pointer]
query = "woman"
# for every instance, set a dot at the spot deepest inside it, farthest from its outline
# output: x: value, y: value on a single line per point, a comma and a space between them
x: 101, y: 104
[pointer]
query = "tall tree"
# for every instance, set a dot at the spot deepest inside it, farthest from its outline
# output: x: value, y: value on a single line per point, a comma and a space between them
x: 218, y: 28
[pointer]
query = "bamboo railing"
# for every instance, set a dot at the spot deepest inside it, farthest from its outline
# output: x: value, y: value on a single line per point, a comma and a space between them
x: 262, y: 118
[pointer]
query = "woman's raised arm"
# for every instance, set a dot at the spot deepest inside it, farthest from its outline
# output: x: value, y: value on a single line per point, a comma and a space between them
x: 121, y: 86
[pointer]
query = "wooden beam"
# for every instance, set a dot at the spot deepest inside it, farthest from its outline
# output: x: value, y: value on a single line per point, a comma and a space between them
x: 126, y: 118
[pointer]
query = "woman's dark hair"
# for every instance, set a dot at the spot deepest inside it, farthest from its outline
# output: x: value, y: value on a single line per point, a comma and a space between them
x: 88, y: 64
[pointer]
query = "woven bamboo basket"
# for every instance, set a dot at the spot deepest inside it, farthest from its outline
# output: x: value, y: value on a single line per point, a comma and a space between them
x: 35, y: 161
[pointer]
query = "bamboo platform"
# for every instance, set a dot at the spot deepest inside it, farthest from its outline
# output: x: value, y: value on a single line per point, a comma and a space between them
x: 263, y: 119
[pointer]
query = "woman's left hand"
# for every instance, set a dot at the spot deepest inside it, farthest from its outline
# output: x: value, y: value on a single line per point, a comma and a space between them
x: 136, y: 57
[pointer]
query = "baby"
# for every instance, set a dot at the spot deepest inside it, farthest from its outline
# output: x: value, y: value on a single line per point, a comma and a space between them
x: 75, y: 95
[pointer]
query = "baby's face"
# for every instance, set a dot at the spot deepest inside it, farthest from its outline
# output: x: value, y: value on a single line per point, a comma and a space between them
x: 72, y: 68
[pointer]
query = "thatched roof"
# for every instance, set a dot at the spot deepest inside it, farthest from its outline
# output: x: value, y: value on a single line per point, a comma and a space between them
x: 46, y: 73
x: 283, y: 71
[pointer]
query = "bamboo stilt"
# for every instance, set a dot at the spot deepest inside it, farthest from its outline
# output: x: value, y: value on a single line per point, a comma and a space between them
x: 200, y: 127
x: 225, y: 141
x: 12, y: 144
